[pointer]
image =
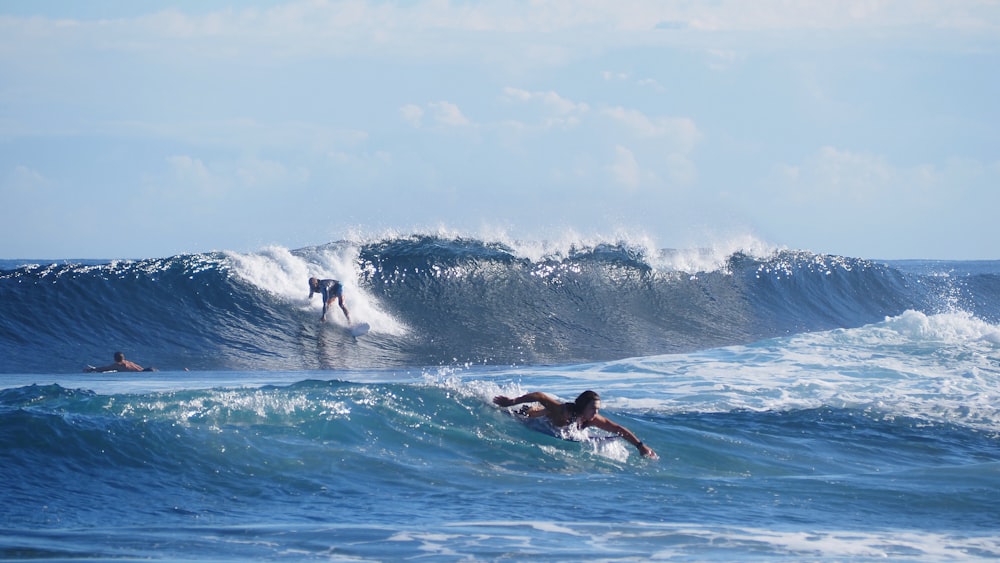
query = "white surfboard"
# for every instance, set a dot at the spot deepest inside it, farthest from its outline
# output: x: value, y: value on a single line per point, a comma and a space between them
x: 359, y: 329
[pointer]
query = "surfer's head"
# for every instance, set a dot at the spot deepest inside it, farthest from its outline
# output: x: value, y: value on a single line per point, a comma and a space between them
x: 119, y: 357
x: 587, y: 405
x: 313, y: 283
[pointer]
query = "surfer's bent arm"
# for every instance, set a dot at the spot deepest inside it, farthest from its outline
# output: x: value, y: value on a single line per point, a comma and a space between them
x: 615, y: 428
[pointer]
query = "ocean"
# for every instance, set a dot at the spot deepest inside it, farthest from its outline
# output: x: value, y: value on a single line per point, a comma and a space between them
x: 804, y: 407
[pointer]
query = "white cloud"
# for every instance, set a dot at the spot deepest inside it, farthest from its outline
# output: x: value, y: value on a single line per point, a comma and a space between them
x: 262, y: 173
x: 550, y: 99
x: 377, y: 160
x: 791, y: 15
x: 625, y: 168
x: 412, y: 114
x: 23, y: 180
x: 723, y: 59
x: 191, y: 176
x: 548, y: 16
x: 664, y: 172
x: 864, y: 204
x: 835, y: 175
x: 651, y: 83
x: 864, y: 183
x: 682, y: 131
x: 119, y: 90
x: 559, y: 112
x: 528, y: 33
x: 187, y: 167
x: 681, y: 170
x: 448, y: 114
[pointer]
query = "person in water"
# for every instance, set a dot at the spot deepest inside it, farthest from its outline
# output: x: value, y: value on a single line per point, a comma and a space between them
x: 330, y: 289
x: 120, y: 364
x: 583, y: 412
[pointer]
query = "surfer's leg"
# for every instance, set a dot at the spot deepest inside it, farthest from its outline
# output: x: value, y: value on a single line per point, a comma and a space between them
x: 344, y: 307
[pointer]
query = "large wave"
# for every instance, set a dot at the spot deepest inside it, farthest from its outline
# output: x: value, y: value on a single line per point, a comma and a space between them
x: 436, y: 300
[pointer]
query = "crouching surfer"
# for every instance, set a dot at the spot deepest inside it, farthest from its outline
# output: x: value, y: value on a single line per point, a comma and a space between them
x: 331, y: 290
x: 583, y: 412
x: 120, y: 364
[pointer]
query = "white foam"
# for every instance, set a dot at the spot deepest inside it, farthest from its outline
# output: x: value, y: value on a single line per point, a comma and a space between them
x: 662, y: 541
x: 955, y: 327
x: 286, y: 275
x: 707, y: 252
x: 944, y: 368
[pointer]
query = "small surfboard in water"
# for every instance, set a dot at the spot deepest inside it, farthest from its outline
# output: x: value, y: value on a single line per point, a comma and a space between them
x: 359, y: 329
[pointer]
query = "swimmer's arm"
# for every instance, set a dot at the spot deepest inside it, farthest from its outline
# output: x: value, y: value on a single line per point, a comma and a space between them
x: 535, y: 397
x: 615, y: 428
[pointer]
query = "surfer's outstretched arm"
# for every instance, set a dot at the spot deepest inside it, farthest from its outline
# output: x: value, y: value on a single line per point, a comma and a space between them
x: 615, y: 428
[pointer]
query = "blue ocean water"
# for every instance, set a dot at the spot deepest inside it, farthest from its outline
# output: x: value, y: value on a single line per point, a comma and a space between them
x: 804, y: 407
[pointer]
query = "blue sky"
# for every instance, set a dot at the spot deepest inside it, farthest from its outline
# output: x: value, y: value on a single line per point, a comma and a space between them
x: 860, y: 128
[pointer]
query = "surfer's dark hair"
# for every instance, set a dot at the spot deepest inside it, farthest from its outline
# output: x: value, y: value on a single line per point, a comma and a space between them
x: 119, y: 356
x: 583, y: 400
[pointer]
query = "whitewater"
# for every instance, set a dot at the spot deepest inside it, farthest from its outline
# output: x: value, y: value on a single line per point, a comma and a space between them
x: 804, y: 406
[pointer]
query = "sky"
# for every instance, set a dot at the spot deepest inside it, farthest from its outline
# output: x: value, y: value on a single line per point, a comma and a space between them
x: 862, y: 128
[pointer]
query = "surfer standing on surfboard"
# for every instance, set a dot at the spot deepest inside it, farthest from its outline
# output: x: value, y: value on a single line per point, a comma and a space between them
x: 330, y: 289
x: 583, y: 412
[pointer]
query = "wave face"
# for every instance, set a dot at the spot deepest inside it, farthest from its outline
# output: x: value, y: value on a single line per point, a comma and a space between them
x: 435, y: 300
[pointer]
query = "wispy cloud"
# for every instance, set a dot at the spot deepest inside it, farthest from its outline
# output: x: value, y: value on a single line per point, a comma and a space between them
x: 334, y: 28
x: 23, y: 179
x: 550, y: 99
x: 448, y: 114
x: 192, y: 177
x: 681, y: 131
x: 625, y: 168
x: 556, y: 111
x: 837, y: 178
x: 412, y: 114
x: 444, y: 115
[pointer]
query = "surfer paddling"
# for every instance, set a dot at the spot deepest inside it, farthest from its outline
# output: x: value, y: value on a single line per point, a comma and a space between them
x: 330, y: 290
x: 583, y: 412
x: 120, y: 364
